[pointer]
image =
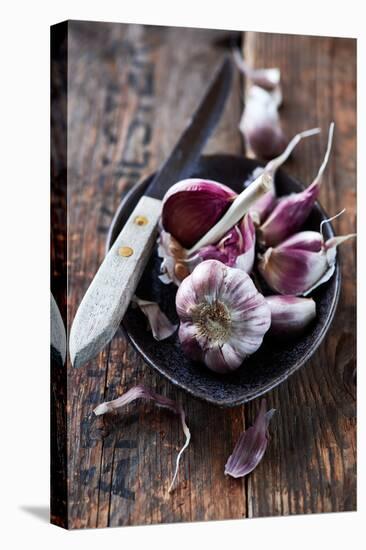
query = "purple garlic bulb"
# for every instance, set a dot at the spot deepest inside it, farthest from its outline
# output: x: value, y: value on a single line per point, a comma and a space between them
x: 223, y: 316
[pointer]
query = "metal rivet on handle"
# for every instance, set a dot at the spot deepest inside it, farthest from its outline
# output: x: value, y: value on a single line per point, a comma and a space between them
x: 141, y: 220
x: 125, y: 251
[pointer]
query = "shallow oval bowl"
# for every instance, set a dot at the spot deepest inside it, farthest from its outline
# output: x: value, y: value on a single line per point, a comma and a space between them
x: 276, y: 359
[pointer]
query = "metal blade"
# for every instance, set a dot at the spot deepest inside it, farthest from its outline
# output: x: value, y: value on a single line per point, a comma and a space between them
x: 186, y: 152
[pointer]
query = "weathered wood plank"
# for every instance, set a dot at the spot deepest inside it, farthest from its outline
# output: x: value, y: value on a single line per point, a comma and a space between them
x: 131, y: 92
x: 310, y: 465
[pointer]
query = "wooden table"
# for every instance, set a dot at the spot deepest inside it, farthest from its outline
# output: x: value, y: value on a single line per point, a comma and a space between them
x: 131, y: 91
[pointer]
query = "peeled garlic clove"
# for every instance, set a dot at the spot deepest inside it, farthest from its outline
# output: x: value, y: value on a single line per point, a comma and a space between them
x: 291, y: 211
x: 260, y: 123
x: 300, y: 264
x: 223, y: 316
x: 290, y: 315
x: 192, y: 206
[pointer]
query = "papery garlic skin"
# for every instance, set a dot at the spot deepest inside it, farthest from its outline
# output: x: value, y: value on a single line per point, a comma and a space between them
x: 159, y: 324
x: 192, y: 206
x: 290, y: 315
x: 175, y: 265
x: 223, y: 316
x: 301, y: 263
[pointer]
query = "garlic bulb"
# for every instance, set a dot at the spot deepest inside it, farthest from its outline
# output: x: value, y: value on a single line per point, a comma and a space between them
x: 301, y: 263
x: 291, y: 211
x: 223, y: 316
x: 192, y: 206
x: 290, y: 315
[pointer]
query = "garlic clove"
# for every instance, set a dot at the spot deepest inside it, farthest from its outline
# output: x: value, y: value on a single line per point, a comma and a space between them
x: 292, y: 211
x: 265, y: 205
x: 224, y: 241
x: 292, y: 271
x: 260, y: 123
x: 223, y: 316
x: 290, y: 315
x: 241, y: 205
x: 192, y: 206
x: 301, y: 263
x: 251, y: 445
x: 265, y: 78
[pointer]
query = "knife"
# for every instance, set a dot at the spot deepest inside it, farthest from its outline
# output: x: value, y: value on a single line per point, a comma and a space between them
x: 109, y: 294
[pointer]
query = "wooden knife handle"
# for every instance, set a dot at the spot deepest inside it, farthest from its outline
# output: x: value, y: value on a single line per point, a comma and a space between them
x: 107, y: 298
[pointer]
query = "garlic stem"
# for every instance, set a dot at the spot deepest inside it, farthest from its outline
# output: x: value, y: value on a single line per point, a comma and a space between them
x: 327, y: 154
x: 330, y: 220
x: 336, y: 241
x: 274, y: 164
x: 240, y: 206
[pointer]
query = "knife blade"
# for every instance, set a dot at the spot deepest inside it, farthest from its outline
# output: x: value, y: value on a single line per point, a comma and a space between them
x: 109, y: 294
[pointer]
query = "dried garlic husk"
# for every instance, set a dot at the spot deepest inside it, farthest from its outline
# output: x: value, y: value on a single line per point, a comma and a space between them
x: 290, y: 315
x: 159, y: 323
x: 291, y: 211
x: 251, y: 446
x: 192, y: 206
x: 143, y: 392
x: 223, y: 316
x: 301, y: 263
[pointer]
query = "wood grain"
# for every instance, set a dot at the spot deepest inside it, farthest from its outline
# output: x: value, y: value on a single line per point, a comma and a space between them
x: 126, y: 112
x: 310, y: 466
x: 131, y: 92
x: 58, y: 378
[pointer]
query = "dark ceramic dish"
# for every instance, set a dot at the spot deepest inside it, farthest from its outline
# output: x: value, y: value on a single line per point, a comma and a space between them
x: 275, y: 360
